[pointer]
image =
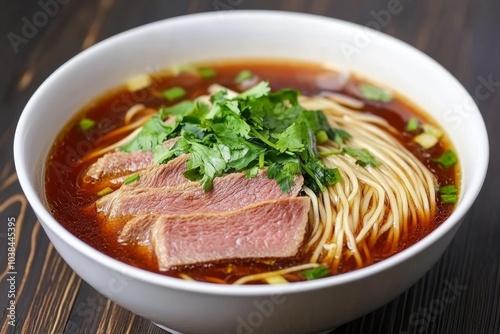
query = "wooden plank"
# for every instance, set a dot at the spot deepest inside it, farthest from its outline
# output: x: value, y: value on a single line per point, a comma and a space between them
x: 461, y: 35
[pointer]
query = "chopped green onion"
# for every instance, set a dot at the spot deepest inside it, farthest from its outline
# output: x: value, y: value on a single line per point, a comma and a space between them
x: 374, y: 93
x: 86, y: 124
x: 426, y: 140
x: 174, y: 93
x: 450, y: 189
x: 183, y: 68
x: 243, y: 76
x: 412, y: 125
x: 447, y: 159
x: 449, y: 198
x: 105, y: 191
x: 315, y: 273
x: 207, y: 72
x: 448, y: 194
x: 432, y: 130
x: 131, y: 178
x: 321, y: 137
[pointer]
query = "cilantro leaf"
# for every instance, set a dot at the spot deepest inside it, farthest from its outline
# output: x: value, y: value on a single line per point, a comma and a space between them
x: 256, y: 129
x: 284, y: 178
x: 178, y: 109
x: 261, y: 89
x: 292, y: 138
x: 204, y: 164
x: 153, y: 133
x: 320, y: 176
x: 363, y: 156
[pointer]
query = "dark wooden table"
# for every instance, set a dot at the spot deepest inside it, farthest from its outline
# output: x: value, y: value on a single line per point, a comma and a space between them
x: 461, y: 35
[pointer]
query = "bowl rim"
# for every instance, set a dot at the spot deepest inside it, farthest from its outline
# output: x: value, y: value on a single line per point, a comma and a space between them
x: 143, y: 275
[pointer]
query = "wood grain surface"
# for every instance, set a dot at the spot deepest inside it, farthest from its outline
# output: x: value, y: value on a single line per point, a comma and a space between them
x: 50, y: 298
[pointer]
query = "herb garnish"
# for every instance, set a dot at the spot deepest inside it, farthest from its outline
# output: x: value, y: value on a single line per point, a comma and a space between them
x: 105, y: 191
x: 243, y: 76
x: 374, y: 93
x: 448, y: 194
x: 315, y: 273
x: 447, y: 159
x: 131, y: 178
x: 174, y: 93
x: 255, y: 129
x: 207, y: 72
x: 412, y: 124
x: 364, y: 156
x: 86, y: 124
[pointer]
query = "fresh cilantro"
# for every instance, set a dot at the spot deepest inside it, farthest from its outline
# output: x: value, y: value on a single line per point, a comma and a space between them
x: 86, y: 124
x: 178, y: 109
x: 374, y: 93
x: 447, y: 159
x: 315, y: 273
x: 153, y: 133
x: 252, y: 172
x: 243, y: 76
x: 256, y: 129
x: 204, y: 164
x: 320, y: 176
x: 259, y: 90
x: 363, y: 156
x: 292, y: 138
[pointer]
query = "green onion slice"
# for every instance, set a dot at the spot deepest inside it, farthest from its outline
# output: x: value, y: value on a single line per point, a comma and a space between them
x: 131, y: 178
x: 174, y: 93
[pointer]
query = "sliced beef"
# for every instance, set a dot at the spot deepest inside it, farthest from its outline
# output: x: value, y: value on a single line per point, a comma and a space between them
x: 118, y: 163
x: 166, y: 175
x: 136, y: 230
x: 169, y: 174
x: 271, y: 229
x: 230, y: 192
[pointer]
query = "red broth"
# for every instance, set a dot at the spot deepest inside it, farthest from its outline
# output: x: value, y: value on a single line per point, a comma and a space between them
x: 69, y: 199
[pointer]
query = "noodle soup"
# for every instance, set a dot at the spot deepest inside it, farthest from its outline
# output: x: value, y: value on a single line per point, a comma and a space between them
x: 366, y: 177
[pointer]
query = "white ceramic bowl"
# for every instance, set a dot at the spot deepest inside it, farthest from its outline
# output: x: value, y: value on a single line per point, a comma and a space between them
x: 305, y: 307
